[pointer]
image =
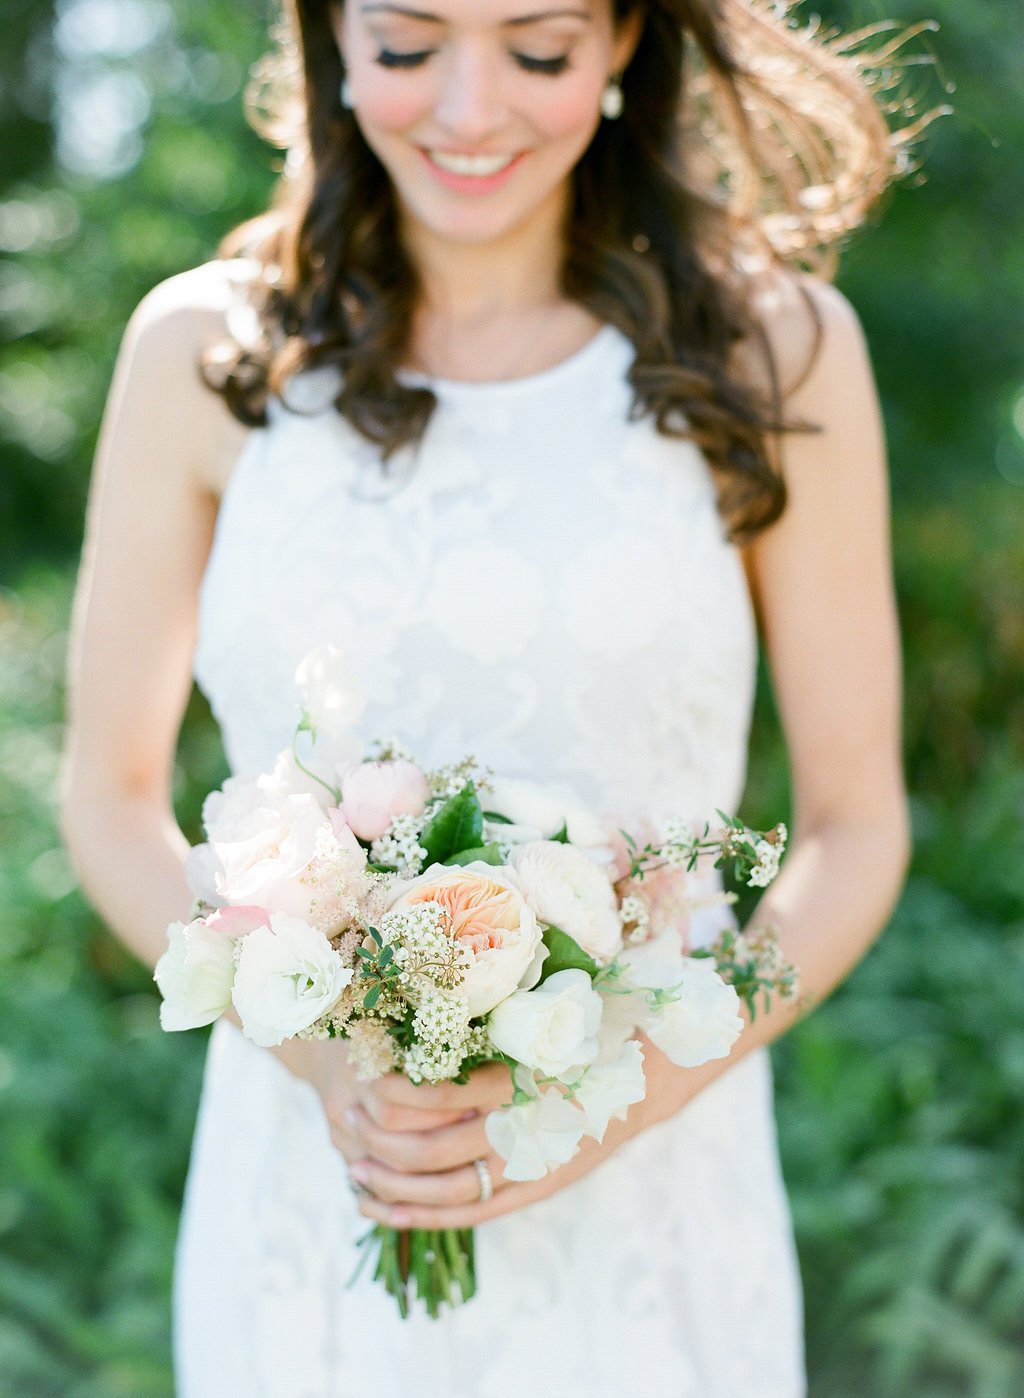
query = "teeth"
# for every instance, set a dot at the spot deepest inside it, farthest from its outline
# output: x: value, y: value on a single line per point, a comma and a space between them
x: 470, y: 164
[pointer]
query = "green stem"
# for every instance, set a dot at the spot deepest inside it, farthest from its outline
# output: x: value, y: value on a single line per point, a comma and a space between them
x: 335, y: 793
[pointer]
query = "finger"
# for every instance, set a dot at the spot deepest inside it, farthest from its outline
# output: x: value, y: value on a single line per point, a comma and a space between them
x: 408, y: 1215
x: 398, y: 1118
x: 421, y: 1152
x: 487, y: 1086
x: 446, y: 1188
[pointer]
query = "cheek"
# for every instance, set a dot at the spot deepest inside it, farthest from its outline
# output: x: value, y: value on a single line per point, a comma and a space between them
x: 566, y: 112
x: 392, y: 109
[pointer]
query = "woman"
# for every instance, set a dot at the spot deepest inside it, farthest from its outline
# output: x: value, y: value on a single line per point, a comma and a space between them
x: 527, y: 416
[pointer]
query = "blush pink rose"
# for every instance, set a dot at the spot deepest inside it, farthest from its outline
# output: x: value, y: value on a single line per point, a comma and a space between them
x: 373, y: 793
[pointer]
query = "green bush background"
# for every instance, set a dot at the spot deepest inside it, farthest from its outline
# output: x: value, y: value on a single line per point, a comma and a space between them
x: 901, y: 1101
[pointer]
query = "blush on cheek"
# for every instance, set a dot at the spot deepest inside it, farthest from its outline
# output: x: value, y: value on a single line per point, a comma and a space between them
x: 393, y: 112
x: 564, y: 112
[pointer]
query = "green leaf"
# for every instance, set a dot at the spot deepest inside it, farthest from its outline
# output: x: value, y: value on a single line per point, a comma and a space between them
x: 487, y: 854
x: 565, y: 954
x: 371, y: 997
x: 457, y: 825
x: 561, y: 837
x: 496, y: 818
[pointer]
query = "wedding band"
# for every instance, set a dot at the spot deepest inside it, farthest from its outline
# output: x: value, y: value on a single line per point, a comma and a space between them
x: 483, y: 1173
x: 360, y: 1190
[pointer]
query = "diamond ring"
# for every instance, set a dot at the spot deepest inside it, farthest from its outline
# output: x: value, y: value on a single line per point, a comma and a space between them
x: 484, y: 1176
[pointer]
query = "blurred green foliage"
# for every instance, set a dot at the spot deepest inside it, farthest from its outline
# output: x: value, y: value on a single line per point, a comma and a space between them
x: 900, y: 1100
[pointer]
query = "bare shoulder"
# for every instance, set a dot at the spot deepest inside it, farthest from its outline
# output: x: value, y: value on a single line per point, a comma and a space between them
x: 167, y: 334
x: 810, y: 328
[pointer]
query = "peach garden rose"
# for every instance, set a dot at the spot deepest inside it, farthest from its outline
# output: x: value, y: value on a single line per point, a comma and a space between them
x: 491, y: 922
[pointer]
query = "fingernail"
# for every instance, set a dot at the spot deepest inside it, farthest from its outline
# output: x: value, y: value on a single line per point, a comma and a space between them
x: 351, y: 1116
x: 360, y: 1172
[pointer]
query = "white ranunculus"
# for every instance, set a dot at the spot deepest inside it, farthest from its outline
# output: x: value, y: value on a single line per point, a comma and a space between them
x: 552, y: 1028
x: 331, y: 697
x: 570, y: 891
x: 288, y: 975
x: 536, y: 1136
x: 491, y: 922
x: 263, y: 842
x: 703, y: 1022
x: 194, y: 975
x: 610, y: 1088
x: 546, y: 807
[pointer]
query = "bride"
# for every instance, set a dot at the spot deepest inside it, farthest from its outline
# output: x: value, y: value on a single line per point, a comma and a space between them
x: 512, y: 396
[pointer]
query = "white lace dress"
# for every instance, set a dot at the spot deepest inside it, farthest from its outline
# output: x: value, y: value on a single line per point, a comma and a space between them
x: 548, y: 588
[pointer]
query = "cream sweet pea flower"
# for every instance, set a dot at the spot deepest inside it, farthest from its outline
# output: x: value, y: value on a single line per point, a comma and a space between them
x: 568, y: 890
x: 553, y: 1028
x: 536, y: 1136
x: 703, y: 1022
x: 195, y: 975
x: 288, y: 975
x: 546, y: 808
x: 332, y: 700
x: 610, y: 1088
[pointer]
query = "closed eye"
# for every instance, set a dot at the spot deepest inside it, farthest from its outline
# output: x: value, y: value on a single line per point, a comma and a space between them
x: 552, y: 66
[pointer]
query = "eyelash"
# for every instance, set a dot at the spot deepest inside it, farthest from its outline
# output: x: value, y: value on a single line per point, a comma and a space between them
x: 549, y: 66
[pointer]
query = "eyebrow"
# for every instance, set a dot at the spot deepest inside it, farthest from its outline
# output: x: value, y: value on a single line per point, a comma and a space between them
x: 508, y: 23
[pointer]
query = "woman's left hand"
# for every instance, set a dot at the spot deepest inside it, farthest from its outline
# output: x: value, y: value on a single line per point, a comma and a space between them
x: 427, y: 1179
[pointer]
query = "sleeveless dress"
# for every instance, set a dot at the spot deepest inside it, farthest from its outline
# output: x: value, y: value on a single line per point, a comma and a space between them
x: 545, y: 584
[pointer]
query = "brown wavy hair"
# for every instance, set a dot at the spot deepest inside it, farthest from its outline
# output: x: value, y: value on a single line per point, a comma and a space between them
x: 749, y: 142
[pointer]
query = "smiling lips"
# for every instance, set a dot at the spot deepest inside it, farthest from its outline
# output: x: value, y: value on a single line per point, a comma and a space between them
x: 470, y: 164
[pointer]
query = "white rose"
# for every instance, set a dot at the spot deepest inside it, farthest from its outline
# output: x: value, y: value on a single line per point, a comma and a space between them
x: 288, y: 975
x: 263, y: 843
x: 535, y: 1136
x: 194, y: 975
x: 553, y: 1028
x: 609, y: 1089
x: 568, y: 890
x: 547, y: 808
x: 331, y: 697
x: 703, y: 1022
x: 491, y: 922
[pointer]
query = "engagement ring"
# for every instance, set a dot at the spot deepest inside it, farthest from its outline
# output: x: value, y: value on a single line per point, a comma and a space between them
x: 484, y: 1175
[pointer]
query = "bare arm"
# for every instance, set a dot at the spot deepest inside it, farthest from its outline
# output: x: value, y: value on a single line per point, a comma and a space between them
x: 148, y: 531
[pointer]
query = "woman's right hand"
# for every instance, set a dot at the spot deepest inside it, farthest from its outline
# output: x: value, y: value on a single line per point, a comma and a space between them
x: 324, y: 1063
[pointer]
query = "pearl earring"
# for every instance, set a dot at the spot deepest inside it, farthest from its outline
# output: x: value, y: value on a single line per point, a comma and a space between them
x: 611, y: 100
x: 346, y: 95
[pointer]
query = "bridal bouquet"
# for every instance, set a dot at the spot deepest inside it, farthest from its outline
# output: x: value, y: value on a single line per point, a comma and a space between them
x: 441, y: 920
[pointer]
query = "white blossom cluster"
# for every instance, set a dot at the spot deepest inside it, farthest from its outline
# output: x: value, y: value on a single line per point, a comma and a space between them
x: 635, y: 916
x: 423, y: 948
x: 759, y: 948
x: 677, y: 843
x: 768, y: 856
x: 441, y: 1025
x: 399, y: 847
x: 390, y: 750
x: 448, y: 781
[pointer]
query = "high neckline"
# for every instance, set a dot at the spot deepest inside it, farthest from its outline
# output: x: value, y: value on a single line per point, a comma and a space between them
x: 565, y: 368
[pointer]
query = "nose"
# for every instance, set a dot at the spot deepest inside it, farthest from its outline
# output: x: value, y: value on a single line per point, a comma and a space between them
x: 470, y: 103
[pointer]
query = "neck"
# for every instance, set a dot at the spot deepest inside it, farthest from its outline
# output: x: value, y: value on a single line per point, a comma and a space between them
x: 469, y: 284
